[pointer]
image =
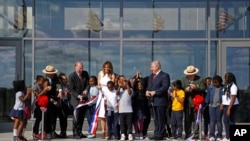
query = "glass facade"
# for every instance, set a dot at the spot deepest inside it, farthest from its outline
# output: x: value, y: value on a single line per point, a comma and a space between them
x: 129, y: 33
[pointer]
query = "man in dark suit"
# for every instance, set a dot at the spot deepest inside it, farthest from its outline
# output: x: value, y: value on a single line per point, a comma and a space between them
x: 157, y: 90
x: 51, y: 74
x: 78, y: 81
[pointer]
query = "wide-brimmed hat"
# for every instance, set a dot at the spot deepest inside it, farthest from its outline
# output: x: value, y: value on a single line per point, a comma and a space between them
x: 49, y: 69
x: 190, y: 70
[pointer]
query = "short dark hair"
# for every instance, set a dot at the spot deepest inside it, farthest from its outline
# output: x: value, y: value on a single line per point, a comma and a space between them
x: 177, y: 84
x: 218, y: 78
x: 119, y: 76
x: 208, y: 78
x: 111, y: 83
x: 93, y: 77
x: 61, y: 74
x: 39, y: 77
x: 47, y: 81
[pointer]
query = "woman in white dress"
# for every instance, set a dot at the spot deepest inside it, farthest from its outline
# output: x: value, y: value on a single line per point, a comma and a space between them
x: 103, y: 77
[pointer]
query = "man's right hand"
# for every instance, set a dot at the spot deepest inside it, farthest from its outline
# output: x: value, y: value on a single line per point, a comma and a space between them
x: 148, y: 94
x: 80, y: 98
x: 188, y: 89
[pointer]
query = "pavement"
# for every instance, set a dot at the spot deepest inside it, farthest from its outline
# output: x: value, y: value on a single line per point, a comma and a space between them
x: 8, y: 136
x: 6, y: 133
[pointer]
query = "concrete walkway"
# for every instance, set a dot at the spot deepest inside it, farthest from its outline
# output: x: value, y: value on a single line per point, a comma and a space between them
x: 7, y: 135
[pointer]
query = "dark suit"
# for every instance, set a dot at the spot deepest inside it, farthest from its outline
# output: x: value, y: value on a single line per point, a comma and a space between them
x: 76, y: 87
x: 52, y: 108
x: 160, y: 85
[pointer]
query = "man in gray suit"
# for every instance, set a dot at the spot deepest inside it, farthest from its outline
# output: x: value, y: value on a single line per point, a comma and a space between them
x: 157, y: 90
x: 78, y: 82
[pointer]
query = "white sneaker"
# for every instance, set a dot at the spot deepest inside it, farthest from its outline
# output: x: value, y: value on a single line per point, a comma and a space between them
x: 211, y: 139
x: 122, y: 137
x: 130, y: 137
x: 218, y: 139
x: 225, y: 139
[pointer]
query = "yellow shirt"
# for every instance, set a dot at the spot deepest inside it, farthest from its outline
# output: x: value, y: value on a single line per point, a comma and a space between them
x: 176, y: 105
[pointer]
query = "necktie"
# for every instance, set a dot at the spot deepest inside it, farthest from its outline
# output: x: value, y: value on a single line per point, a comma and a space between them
x: 154, y: 77
x: 80, y: 77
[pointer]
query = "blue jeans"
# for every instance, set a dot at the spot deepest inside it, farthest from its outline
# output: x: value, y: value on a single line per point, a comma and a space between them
x: 176, y: 123
x: 215, y: 119
x: 112, y: 123
x: 229, y: 120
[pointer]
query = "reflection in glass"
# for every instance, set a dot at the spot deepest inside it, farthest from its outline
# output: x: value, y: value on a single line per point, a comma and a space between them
x: 15, y: 18
x: 28, y: 63
x: 104, y: 51
x: 183, y: 20
x: 7, y: 75
x: 8, y: 66
x: 174, y: 57
x: 69, y: 19
x: 61, y: 54
x: 238, y: 63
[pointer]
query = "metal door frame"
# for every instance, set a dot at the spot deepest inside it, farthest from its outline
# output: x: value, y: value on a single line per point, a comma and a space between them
x: 18, y: 43
x: 221, y: 52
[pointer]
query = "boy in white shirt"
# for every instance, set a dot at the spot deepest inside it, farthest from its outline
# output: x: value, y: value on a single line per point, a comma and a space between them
x: 111, y: 107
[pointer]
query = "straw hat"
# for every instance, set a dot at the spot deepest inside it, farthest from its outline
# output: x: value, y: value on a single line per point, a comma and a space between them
x: 49, y: 69
x: 190, y: 70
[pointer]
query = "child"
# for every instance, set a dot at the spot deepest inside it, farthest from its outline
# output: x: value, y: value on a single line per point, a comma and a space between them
x: 111, y: 106
x: 177, y: 96
x: 93, y: 92
x: 125, y: 109
x: 230, y: 102
x: 205, y: 109
x: 139, y: 107
x: 17, y: 113
x: 214, y: 99
x: 41, y: 87
x: 37, y: 89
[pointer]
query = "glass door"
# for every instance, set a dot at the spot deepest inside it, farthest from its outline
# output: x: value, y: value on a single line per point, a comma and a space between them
x: 235, y: 58
x: 11, y: 69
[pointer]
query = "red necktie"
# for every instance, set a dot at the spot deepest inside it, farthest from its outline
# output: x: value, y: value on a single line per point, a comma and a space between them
x: 154, y: 77
x: 80, y: 77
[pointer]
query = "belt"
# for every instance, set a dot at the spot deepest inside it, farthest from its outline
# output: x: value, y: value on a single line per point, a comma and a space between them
x: 64, y: 100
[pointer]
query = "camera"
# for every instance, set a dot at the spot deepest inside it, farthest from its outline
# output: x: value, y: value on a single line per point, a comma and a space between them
x: 170, y: 89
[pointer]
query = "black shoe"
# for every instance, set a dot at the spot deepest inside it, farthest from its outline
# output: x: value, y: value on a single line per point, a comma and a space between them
x: 63, y: 135
x: 157, y: 138
x: 76, y: 136
x: 160, y: 138
x: 55, y: 135
x: 187, y: 136
x: 23, y: 138
x: 153, y: 138
x: 82, y: 136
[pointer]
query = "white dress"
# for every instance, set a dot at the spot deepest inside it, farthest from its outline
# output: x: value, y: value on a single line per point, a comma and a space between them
x: 103, y: 82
